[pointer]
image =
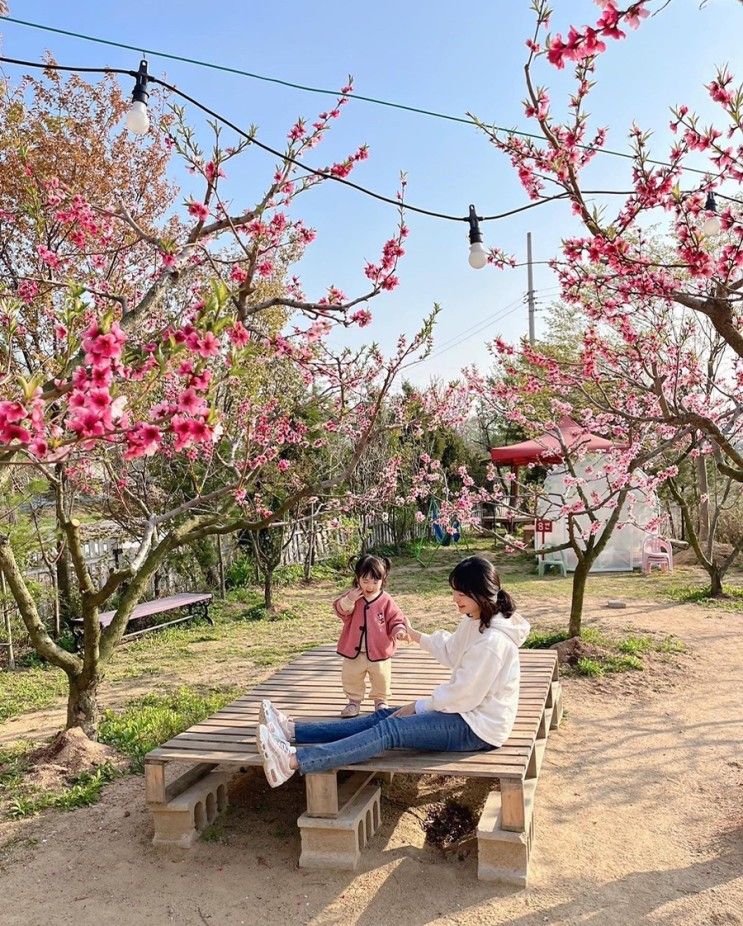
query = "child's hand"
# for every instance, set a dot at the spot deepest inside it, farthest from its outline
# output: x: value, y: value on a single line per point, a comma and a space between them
x: 348, y: 600
x: 402, y: 635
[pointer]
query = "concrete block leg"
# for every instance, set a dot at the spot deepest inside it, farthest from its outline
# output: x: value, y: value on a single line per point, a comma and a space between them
x: 502, y: 855
x: 179, y: 822
x: 338, y: 842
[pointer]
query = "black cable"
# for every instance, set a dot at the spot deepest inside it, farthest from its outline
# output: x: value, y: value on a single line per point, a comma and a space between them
x: 284, y: 157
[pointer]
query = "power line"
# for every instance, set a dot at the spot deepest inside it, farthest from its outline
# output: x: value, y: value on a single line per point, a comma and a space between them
x: 482, y: 326
x: 471, y: 332
x: 227, y: 69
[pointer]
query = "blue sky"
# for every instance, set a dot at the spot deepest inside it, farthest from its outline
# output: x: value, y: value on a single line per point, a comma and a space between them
x: 439, y: 56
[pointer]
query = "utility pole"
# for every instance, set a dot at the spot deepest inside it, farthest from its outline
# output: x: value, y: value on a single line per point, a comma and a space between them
x: 530, y: 293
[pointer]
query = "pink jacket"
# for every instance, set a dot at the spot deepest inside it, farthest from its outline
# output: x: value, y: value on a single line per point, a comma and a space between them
x: 370, y: 628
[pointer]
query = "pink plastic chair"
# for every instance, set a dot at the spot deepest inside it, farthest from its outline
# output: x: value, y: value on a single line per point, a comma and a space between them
x: 656, y: 552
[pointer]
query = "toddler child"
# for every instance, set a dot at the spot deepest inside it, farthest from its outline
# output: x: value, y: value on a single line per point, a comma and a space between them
x: 372, y: 625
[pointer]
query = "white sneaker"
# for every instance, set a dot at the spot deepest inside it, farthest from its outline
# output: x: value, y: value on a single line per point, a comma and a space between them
x: 276, y: 721
x: 276, y: 754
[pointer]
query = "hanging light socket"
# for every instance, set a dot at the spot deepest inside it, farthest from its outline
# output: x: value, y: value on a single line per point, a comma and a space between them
x: 138, y: 119
x: 478, y: 253
x: 711, y: 225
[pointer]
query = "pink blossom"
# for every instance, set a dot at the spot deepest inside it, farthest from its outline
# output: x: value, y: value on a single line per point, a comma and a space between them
x: 28, y: 290
x: 212, y: 172
x: 50, y: 258
x: 208, y: 345
x: 238, y: 274
x: 190, y: 403
x: 199, y: 211
x: 239, y: 335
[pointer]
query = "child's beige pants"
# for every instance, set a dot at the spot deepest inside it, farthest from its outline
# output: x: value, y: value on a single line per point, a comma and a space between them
x: 354, y: 678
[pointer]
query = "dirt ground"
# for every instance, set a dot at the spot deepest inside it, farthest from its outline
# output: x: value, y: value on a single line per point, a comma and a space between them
x: 639, y: 821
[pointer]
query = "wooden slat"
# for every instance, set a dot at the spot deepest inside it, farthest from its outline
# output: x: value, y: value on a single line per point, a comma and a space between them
x: 184, y: 781
x: 395, y: 761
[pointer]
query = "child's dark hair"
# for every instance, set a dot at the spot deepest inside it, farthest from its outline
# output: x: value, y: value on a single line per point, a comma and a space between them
x: 378, y: 567
x: 476, y: 578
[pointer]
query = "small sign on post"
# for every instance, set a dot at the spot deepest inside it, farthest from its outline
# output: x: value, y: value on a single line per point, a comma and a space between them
x: 543, y: 526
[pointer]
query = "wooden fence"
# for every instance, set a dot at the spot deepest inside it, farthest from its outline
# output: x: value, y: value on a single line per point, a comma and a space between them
x: 106, y: 553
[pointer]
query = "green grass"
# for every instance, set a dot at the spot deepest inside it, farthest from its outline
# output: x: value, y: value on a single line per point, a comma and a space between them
x: 13, y: 765
x: 698, y: 594
x: 671, y: 644
x: 148, y: 722
x: 593, y: 668
x: 29, y: 690
x: 83, y: 790
x: 623, y: 655
x: 143, y: 724
x: 23, y: 800
x: 543, y: 639
x: 635, y: 645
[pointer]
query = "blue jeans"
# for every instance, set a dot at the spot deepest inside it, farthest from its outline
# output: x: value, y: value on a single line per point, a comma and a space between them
x: 346, y: 742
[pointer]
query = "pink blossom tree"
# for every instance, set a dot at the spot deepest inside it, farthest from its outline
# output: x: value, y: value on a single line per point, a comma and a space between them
x: 615, y: 271
x: 638, y: 375
x: 139, y: 339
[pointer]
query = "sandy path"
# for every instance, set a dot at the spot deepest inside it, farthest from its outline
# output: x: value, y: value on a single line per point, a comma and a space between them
x: 638, y: 822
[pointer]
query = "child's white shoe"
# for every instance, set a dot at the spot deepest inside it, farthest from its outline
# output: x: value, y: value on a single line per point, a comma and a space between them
x: 276, y: 754
x: 276, y: 721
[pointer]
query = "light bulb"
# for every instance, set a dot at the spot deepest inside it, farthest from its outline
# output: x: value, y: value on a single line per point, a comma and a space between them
x: 478, y: 255
x: 138, y: 119
x: 711, y: 225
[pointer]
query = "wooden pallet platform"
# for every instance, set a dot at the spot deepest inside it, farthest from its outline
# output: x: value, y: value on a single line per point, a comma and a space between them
x: 309, y: 687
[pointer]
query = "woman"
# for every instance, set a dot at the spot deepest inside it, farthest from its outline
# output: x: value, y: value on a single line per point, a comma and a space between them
x: 473, y: 711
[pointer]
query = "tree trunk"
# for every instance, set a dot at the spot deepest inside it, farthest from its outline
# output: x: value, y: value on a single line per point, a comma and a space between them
x: 220, y: 562
x: 268, y: 589
x: 6, y: 623
x: 82, y: 705
x: 580, y: 576
x: 715, y: 581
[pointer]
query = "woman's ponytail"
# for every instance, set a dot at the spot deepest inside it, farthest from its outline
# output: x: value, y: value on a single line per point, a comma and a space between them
x: 506, y: 604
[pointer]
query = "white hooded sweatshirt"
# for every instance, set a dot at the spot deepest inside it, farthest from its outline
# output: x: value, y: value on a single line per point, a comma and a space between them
x: 484, y: 684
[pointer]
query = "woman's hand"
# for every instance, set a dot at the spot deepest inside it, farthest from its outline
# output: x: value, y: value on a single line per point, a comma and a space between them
x: 407, y: 710
x: 414, y: 636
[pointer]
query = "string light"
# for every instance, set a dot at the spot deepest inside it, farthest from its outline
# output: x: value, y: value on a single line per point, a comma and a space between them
x: 711, y: 225
x: 138, y: 119
x: 138, y: 122
x: 478, y: 253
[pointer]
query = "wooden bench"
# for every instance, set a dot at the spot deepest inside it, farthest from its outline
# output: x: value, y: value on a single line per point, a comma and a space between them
x: 195, y: 604
x: 343, y: 805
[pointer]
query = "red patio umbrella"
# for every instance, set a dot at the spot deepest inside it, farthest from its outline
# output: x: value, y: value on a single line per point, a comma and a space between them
x: 546, y: 448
